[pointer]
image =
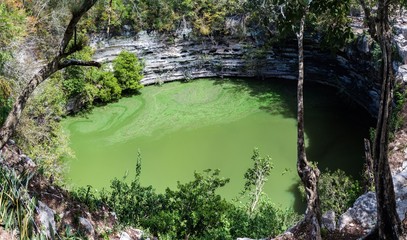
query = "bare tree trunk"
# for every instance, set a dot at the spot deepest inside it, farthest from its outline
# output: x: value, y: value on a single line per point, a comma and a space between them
x: 368, y: 169
x: 56, y: 64
x: 388, y: 221
x: 309, y: 175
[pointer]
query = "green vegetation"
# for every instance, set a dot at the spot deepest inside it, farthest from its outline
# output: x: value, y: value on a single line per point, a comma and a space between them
x: 192, y: 211
x: 337, y: 191
x: 207, y: 17
x: 256, y: 177
x: 128, y: 71
x: 90, y: 85
x: 200, y: 212
x: 12, y: 27
x: 40, y: 134
x: 16, y: 206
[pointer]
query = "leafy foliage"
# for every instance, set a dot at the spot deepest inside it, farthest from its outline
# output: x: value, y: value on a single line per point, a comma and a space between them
x: 75, y: 76
x: 268, y: 220
x: 39, y: 133
x: 108, y: 86
x: 5, y: 99
x: 92, y: 85
x: 16, y: 207
x: 337, y: 191
x: 197, y: 206
x: 128, y: 71
x: 12, y: 22
x: 256, y: 177
x: 207, y: 17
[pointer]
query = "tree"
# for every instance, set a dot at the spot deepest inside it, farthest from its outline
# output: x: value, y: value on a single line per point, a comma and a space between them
x: 388, y: 221
x: 60, y: 61
x: 197, y: 205
x: 128, y: 71
x: 297, y: 12
x: 256, y: 177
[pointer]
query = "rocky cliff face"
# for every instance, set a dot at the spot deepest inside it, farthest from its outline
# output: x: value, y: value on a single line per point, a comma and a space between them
x: 178, y: 57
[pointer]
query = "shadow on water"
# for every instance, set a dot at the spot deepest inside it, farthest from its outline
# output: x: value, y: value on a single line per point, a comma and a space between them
x: 299, y: 204
x: 327, y: 111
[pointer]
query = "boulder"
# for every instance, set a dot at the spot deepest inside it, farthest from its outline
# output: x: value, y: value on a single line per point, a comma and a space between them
x: 362, y: 212
x: 86, y: 226
x: 125, y: 236
x: 329, y: 220
x: 46, y: 219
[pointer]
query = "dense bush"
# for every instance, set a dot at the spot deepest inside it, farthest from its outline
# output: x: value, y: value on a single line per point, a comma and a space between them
x: 193, y: 210
x: 5, y: 99
x: 199, y: 209
x: 108, y: 87
x: 92, y: 85
x: 128, y: 70
x: 268, y: 220
x: 337, y: 191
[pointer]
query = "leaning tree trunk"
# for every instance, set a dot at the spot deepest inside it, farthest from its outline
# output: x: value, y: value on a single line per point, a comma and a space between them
x: 309, y: 175
x: 388, y: 221
x: 59, y: 62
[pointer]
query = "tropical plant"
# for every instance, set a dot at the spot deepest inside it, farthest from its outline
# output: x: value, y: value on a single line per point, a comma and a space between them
x: 16, y: 206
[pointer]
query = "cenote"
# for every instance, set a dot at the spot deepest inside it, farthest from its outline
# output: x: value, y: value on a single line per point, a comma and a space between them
x: 180, y: 128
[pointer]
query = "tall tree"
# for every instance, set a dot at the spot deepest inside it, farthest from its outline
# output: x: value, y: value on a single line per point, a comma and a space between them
x: 388, y: 221
x: 61, y: 60
x: 329, y: 17
x: 294, y: 14
x: 309, y: 174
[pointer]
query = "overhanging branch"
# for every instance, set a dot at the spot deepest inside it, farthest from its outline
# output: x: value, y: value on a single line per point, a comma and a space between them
x: 75, y: 62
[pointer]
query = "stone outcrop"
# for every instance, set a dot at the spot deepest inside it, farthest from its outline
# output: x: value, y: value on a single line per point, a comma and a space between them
x: 169, y: 58
x: 329, y: 220
x: 86, y: 226
x: 46, y: 219
x: 363, y: 211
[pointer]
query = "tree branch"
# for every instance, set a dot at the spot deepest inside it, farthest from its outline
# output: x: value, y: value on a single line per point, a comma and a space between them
x: 75, y: 62
x: 76, y: 16
x: 54, y: 65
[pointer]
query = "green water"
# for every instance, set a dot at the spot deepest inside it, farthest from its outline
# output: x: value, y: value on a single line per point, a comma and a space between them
x: 185, y: 127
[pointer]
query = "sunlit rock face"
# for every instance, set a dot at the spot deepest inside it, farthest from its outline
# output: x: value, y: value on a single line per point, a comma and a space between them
x: 177, y: 57
x: 364, y: 212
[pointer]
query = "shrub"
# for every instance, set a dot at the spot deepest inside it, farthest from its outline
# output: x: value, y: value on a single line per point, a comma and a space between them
x: 128, y: 71
x: 268, y: 220
x: 337, y: 191
x: 75, y: 76
x: 109, y: 89
x: 200, y: 210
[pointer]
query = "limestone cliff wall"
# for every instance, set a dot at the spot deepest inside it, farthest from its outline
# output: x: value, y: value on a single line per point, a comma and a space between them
x: 175, y: 58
